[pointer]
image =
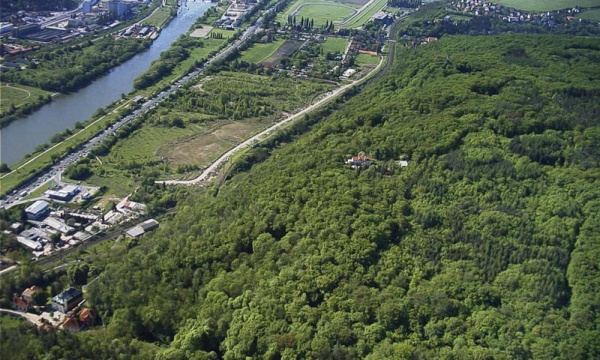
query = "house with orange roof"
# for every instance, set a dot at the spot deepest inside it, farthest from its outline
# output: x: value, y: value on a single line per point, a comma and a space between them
x: 28, y: 293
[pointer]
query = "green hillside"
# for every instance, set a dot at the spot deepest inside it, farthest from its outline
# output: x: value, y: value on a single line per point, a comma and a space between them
x: 484, y: 247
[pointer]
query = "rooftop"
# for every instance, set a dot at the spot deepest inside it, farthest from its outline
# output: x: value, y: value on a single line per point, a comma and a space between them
x: 37, y: 207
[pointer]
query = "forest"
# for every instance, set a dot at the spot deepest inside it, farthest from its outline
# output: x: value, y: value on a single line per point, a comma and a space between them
x: 69, y: 68
x: 485, y: 246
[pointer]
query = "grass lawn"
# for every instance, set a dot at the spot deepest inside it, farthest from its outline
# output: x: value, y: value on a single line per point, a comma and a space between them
x: 18, y: 95
x: 593, y: 14
x: 226, y: 33
x: 366, y: 59
x: 545, y: 5
x: 334, y: 44
x: 159, y: 17
x: 364, y: 16
x: 259, y: 52
x: 319, y: 11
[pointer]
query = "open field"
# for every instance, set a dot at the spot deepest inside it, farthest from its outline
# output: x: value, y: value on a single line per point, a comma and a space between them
x: 285, y: 50
x: 364, y: 16
x: 205, y: 148
x: 226, y: 33
x: 259, y: 51
x: 593, y: 14
x: 320, y: 11
x: 205, y: 131
x: 17, y: 95
x: 201, y: 32
x: 158, y: 18
x: 545, y: 5
x: 334, y: 44
x: 366, y: 59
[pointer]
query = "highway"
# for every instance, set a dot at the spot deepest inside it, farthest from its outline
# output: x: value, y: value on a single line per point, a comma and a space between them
x: 54, y: 172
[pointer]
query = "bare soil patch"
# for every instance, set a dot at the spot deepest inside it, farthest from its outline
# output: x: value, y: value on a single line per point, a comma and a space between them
x: 285, y: 50
x: 202, y: 33
x: 201, y: 149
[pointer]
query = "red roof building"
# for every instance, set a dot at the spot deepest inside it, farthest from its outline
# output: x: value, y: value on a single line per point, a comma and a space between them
x: 20, y: 304
x: 29, y: 292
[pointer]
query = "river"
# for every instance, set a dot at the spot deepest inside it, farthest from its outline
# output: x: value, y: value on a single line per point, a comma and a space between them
x: 24, y: 135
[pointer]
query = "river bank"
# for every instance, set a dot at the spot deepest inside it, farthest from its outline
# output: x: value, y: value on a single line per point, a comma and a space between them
x: 23, y: 136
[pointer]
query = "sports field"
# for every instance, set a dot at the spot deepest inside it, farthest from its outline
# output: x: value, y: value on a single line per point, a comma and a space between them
x: 17, y: 95
x: 320, y: 11
x: 546, y: 5
x: 259, y: 52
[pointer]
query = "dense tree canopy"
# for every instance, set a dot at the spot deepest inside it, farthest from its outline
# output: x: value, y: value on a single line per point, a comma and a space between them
x: 484, y: 246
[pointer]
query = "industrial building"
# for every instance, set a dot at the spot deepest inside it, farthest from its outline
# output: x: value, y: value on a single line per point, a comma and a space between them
x: 142, y: 228
x: 38, y: 210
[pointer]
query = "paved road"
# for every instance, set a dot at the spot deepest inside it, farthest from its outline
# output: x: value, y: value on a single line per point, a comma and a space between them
x: 212, y: 169
x: 57, y: 169
x: 380, y: 70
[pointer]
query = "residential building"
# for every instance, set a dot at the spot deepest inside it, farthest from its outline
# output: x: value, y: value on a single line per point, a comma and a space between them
x: 67, y: 300
x: 360, y: 160
x: 28, y: 293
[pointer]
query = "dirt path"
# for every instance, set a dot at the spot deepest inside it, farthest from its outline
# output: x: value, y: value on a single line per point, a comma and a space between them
x: 32, y: 318
x: 16, y: 88
x: 212, y: 169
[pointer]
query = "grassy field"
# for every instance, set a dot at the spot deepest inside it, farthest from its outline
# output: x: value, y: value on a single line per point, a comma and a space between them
x: 206, y: 133
x: 206, y: 147
x: 226, y: 33
x: 158, y: 18
x: 545, y: 5
x: 366, y: 59
x: 364, y: 16
x: 284, y: 51
x: 593, y: 14
x: 259, y: 52
x: 333, y: 45
x: 320, y: 11
x: 17, y: 95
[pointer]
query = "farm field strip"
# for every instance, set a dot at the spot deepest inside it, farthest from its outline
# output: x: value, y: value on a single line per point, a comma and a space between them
x: 285, y: 50
x: 260, y: 52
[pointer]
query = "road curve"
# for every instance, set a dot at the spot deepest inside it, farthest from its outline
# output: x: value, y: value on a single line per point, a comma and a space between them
x: 211, y: 170
x: 32, y: 318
